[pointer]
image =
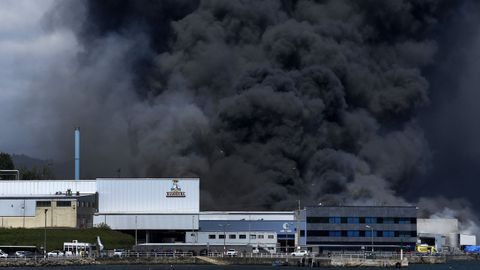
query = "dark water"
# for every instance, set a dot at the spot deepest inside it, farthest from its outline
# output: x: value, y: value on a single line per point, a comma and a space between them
x: 448, y: 266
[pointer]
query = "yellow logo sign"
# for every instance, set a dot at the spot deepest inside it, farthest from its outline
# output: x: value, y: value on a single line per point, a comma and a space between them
x: 175, y: 190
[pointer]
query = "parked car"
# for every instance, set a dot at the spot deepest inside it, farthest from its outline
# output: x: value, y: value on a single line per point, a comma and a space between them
x: 3, y: 254
x: 55, y: 253
x: 299, y: 253
x: 23, y: 254
x: 232, y: 253
x: 118, y: 252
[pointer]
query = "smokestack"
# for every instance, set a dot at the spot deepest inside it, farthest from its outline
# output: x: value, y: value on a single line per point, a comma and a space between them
x: 77, y: 153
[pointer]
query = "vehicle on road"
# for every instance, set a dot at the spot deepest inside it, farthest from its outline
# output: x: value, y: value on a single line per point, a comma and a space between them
x: 23, y: 254
x: 232, y: 253
x: 299, y: 253
x: 3, y: 254
x: 118, y: 252
x: 55, y: 253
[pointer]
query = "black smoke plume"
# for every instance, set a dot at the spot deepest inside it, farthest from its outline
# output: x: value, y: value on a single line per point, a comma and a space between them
x: 267, y: 101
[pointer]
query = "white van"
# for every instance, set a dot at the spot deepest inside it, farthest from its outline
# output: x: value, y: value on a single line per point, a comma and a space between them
x: 3, y: 254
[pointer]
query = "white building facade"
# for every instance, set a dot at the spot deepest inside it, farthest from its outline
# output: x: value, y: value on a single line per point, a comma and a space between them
x: 148, y: 204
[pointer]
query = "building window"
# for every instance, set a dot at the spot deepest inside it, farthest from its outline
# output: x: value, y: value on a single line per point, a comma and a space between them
x: 64, y: 203
x: 260, y: 236
x: 403, y: 234
x: 253, y: 236
x: 404, y: 221
x: 212, y: 236
x: 334, y: 233
x: 302, y: 233
x: 353, y: 233
x: 369, y: 233
x: 271, y: 236
x: 232, y: 236
x: 317, y: 220
x: 388, y: 234
x: 221, y: 236
x: 44, y: 203
x: 353, y: 220
x: 388, y: 220
x: 242, y: 236
x: 370, y: 220
x: 334, y: 220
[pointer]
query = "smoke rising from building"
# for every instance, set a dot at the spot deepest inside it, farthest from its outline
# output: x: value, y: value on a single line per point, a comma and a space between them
x: 267, y: 101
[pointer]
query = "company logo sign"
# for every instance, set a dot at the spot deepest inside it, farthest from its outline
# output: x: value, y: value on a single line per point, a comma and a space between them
x: 175, y: 190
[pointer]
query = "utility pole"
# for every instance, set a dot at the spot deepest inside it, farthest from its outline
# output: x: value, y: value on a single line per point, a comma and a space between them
x: 371, y: 234
x: 136, y: 231
x: 45, y: 236
x: 298, y: 225
x: 224, y: 226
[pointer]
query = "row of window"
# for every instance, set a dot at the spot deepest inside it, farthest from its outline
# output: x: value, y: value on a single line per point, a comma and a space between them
x: 361, y: 220
x: 355, y: 233
x: 240, y: 236
x: 64, y: 204
x: 49, y: 203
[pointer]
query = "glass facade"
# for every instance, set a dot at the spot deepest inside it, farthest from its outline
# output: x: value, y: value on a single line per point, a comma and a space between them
x: 352, y: 227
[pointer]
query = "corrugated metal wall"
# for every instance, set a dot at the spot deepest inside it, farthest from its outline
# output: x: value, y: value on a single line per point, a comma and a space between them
x: 148, y: 222
x: 17, y: 208
x: 45, y: 187
x: 147, y: 196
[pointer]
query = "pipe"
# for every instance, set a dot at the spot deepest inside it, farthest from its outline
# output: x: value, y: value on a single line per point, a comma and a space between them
x: 11, y: 172
x: 77, y: 153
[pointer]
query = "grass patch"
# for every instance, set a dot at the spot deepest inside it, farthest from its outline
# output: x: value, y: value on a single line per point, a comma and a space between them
x: 55, y: 237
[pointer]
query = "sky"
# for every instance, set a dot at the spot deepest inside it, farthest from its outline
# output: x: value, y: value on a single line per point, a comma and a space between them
x: 27, y: 51
x: 332, y: 102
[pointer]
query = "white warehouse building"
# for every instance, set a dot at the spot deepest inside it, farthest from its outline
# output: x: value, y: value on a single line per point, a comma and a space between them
x: 160, y: 209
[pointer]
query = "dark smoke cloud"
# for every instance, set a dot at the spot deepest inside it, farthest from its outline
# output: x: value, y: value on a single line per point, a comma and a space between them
x: 267, y: 101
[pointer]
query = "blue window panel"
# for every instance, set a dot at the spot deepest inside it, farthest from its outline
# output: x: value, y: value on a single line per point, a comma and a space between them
x: 404, y: 221
x: 404, y: 234
x: 388, y: 220
x: 334, y: 220
x: 353, y: 233
x: 370, y: 220
x: 353, y: 220
x: 369, y: 233
x: 388, y: 234
x: 334, y: 233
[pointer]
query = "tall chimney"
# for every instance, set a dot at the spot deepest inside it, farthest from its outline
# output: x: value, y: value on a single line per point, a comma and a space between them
x: 77, y: 153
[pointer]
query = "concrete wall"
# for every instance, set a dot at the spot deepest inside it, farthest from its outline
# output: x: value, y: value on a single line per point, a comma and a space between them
x: 57, y: 216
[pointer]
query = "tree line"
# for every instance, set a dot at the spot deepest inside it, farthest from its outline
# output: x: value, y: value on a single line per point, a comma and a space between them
x: 34, y: 173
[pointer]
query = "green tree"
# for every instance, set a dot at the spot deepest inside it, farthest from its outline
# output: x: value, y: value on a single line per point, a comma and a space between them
x: 6, y: 162
x: 35, y: 173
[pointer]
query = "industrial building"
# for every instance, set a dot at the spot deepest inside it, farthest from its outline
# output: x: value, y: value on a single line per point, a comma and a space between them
x: 157, y: 210
x: 34, y: 204
x: 164, y: 213
x: 359, y: 228
x: 443, y: 234
x: 269, y: 231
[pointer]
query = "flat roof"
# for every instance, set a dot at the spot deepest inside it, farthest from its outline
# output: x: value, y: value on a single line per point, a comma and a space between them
x: 247, y: 212
x: 360, y: 206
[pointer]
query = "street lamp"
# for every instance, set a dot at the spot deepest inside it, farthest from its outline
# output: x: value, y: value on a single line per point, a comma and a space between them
x: 45, y: 236
x: 136, y: 232
x: 371, y: 234
x: 224, y: 226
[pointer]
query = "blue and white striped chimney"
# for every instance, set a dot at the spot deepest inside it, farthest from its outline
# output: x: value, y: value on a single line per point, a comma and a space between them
x: 77, y: 153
